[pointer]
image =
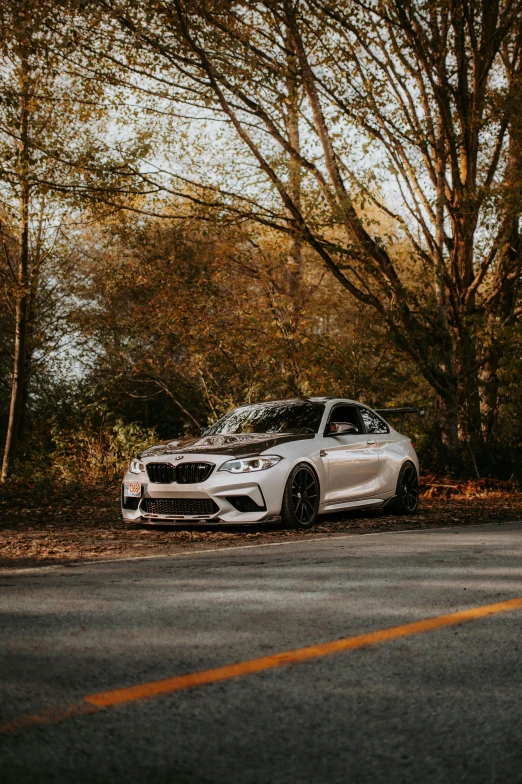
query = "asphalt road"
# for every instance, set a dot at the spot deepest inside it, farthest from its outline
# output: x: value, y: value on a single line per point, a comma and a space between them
x: 443, y: 705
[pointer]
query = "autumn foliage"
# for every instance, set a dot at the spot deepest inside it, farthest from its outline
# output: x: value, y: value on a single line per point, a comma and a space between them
x: 209, y: 203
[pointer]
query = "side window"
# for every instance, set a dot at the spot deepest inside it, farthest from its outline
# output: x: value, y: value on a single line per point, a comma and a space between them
x: 347, y: 414
x: 372, y: 422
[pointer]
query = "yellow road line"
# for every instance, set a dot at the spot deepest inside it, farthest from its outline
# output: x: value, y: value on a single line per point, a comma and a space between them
x: 108, y: 699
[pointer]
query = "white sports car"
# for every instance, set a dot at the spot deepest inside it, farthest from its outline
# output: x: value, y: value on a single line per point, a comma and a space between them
x: 288, y: 460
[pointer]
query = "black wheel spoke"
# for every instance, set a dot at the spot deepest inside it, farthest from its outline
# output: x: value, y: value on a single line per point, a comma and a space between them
x: 304, y: 495
x: 410, y: 489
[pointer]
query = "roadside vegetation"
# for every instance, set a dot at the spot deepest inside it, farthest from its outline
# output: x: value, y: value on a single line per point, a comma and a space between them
x: 208, y: 204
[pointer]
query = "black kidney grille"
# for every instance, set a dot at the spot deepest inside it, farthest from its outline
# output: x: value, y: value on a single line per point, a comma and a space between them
x: 190, y: 473
x: 180, y: 506
x: 161, y: 473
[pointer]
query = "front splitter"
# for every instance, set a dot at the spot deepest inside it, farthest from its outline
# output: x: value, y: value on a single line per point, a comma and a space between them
x: 183, y: 521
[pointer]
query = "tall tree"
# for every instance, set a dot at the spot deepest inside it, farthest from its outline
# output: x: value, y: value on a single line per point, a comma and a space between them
x: 16, y: 127
x: 54, y: 162
x: 411, y: 160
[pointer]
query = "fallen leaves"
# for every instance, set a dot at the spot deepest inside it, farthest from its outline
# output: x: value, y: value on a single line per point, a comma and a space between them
x: 49, y: 524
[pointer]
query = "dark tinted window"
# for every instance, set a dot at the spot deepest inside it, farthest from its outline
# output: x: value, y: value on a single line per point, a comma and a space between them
x: 372, y: 422
x: 287, y: 417
x: 346, y: 414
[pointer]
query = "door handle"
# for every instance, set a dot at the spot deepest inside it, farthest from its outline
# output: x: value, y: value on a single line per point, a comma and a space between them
x: 322, y: 453
x: 370, y: 442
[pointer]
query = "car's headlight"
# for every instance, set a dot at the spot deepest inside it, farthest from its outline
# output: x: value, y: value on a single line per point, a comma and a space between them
x: 136, y: 467
x: 247, y: 464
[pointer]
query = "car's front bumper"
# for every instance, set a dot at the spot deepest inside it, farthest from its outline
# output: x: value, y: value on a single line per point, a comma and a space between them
x: 261, y: 490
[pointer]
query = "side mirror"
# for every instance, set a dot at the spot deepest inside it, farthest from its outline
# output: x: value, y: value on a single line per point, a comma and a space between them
x: 342, y: 429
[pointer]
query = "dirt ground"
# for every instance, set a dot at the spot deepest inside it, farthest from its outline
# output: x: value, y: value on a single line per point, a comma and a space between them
x: 47, y: 524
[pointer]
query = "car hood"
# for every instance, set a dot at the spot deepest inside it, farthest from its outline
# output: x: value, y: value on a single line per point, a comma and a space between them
x: 240, y: 445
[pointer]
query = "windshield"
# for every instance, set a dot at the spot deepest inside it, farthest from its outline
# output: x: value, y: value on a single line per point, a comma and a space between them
x: 296, y: 416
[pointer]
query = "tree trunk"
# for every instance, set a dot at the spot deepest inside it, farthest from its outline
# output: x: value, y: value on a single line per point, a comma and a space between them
x: 19, y: 362
x: 293, y: 266
x: 33, y: 276
x: 22, y: 289
x: 295, y: 174
x: 449, y: 425
x: 29, y: 333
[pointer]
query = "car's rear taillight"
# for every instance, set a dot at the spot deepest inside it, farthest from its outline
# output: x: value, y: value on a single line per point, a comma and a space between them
x: 413, y: 445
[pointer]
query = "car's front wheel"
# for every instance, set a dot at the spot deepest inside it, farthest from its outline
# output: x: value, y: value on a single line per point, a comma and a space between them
x: 300, y: 498
x: 407, y: 494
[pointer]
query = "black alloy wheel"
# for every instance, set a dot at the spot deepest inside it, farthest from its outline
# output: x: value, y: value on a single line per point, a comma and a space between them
x: 407, y: 499
x: 301, y: 498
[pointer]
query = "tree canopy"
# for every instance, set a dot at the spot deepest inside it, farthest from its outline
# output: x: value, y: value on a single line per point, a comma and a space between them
x: 288, y: 196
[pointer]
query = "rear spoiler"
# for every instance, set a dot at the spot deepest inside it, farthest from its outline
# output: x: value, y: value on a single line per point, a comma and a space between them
x: 401, y: 412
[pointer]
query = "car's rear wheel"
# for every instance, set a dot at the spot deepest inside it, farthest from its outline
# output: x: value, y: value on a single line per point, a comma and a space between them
x: 407, y: 495
x: 301, y: 498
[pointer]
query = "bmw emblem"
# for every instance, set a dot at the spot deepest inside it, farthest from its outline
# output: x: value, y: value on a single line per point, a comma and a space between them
x: 179, y: 457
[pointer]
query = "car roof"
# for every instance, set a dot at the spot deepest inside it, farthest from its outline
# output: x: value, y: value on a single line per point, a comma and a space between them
x: 303, y: 399
x: 332, y: 397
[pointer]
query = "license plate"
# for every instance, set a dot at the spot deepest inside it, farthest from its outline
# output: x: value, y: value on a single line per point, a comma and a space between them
x: 131, y: 489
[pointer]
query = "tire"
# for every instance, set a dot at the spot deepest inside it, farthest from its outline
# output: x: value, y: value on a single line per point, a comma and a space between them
x: 406, y: 500
x: 300, y: 505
